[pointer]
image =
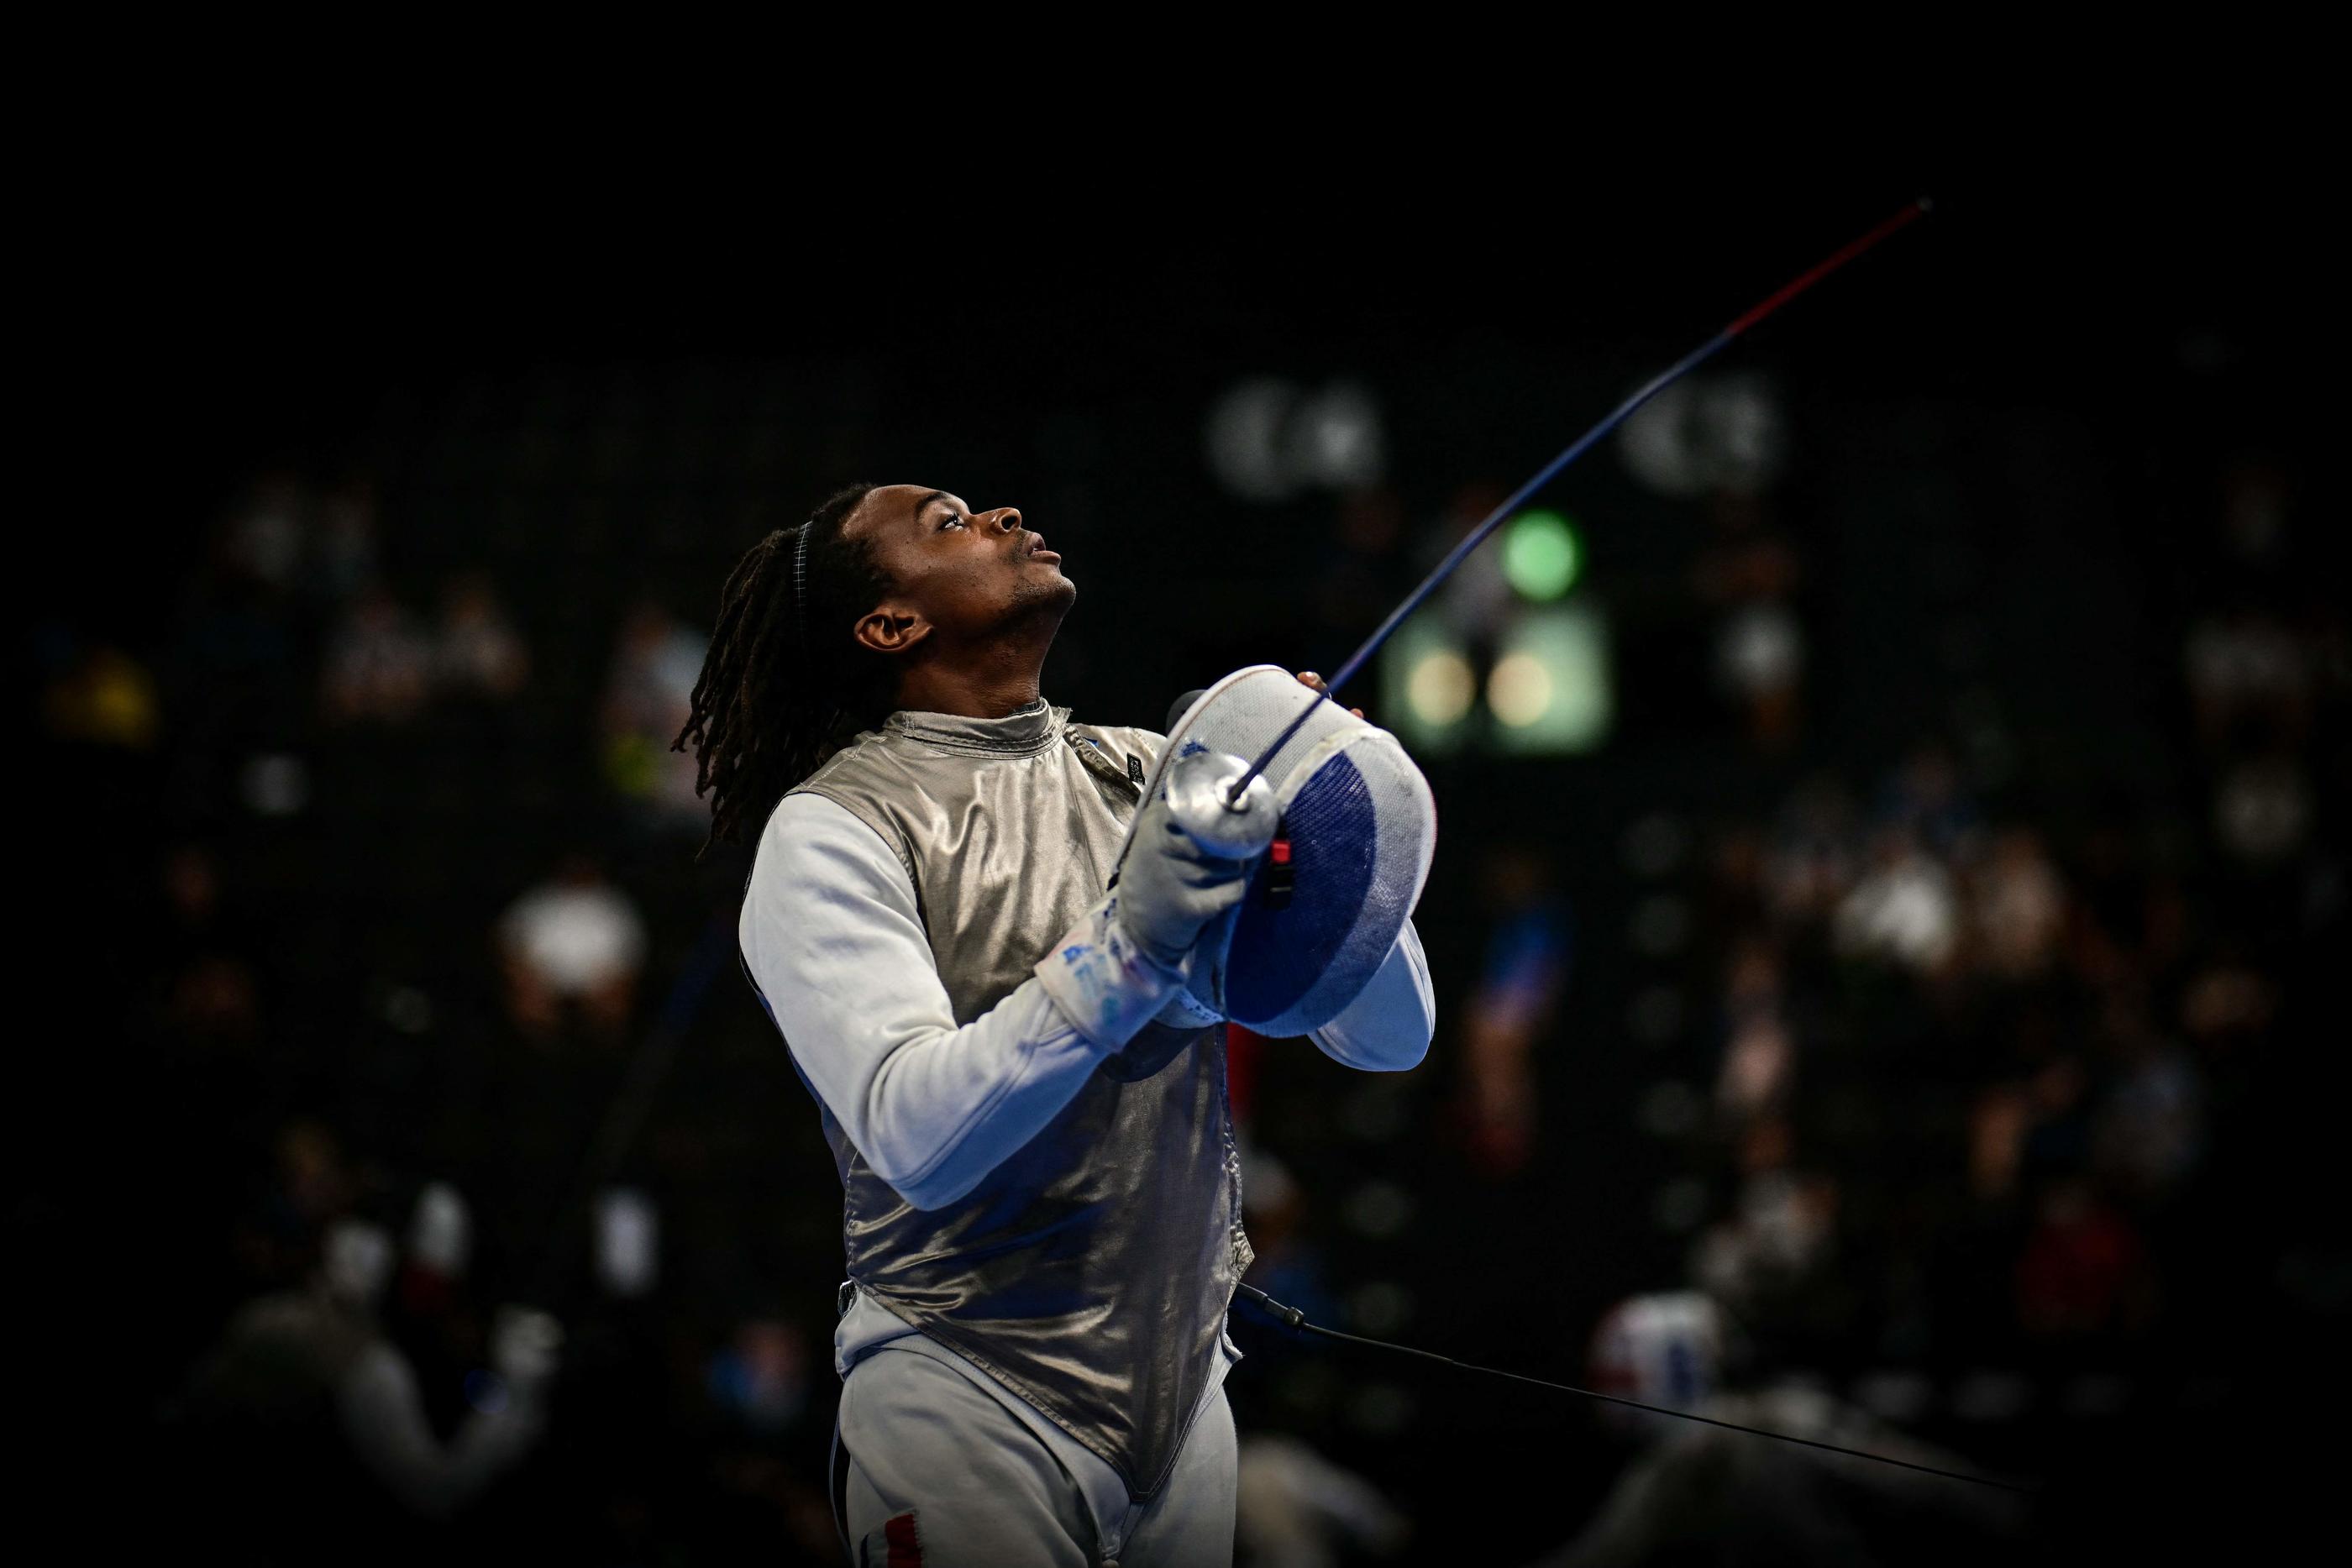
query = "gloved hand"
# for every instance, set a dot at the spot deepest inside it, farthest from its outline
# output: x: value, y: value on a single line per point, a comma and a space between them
x: 1114, y: 969
x: 1170, y: 888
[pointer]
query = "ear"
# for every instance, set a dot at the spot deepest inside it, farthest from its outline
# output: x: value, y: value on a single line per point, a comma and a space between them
x: 886, y: 630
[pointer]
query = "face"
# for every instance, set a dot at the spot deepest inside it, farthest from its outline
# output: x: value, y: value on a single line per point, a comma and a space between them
x: 962, y: 577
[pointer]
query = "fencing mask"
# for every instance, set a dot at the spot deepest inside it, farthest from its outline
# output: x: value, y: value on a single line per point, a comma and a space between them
x: 1327, y: 902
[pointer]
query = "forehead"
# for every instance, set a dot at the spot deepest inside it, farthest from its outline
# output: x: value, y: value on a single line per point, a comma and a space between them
x: 888, y: 509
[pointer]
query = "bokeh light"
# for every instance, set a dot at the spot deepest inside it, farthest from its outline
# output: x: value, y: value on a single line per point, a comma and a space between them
x: 1519, y: 691
x: 1440, y: 687
x: 1552, y: 689
x: 1542, y: 555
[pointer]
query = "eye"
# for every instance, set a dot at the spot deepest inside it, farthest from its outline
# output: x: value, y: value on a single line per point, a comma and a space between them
x: 953, y: 520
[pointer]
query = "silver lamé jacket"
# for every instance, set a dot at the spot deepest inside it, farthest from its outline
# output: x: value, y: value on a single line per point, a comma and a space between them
x: 1089, y: 1273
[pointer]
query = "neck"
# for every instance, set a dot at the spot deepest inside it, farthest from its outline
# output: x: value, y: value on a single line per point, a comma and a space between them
x: 998, y: 679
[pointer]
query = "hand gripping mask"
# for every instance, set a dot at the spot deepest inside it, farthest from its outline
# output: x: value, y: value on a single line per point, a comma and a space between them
x: 1326, y: 902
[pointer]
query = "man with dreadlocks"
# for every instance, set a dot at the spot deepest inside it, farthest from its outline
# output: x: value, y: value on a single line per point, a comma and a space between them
x: 1041, y: 1191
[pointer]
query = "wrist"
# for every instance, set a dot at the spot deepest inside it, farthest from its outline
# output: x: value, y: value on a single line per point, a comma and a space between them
x: 1183, y: 1010
x: 1103, y: 980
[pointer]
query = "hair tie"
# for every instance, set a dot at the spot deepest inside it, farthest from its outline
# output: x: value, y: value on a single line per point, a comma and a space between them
x: 799, y: 580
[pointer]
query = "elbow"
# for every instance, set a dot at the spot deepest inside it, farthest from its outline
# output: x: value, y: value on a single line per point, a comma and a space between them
x: 929, y: 1194
x: 1404, y: 1052
x: 1396, y: 1053
x: 926, y: 1183
x: 1401, y: 1056
x: 929, y: 1200
x: 911, y: 1159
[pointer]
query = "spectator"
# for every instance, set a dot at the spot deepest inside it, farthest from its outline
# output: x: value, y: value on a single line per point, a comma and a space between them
x: 378, y: 665
x: 1815, y: 854
x: 440, y: 1247
x: 342, y: 555
x: 2227, y: 1006
x: 2262, y: 812
x: 1777, y: 1239
x: 760, y: 1378
x: 301, y: 1371
x: 1923, y: 797
x: 2148, y: 1131
x: 1700, y: 1494
x: 646, y: 699
x: 574, y: 941
x: 1295, y: 1509
x: 1759, y: 1055
x: 1757, y: 1064
x: 1748, y: 575
x: 266, y: 539
x: 2019, y: 909
x: 2082, y: 1273
x: 2249, y: 677
x: 1518, y: 990
x: 1902, y: 910
x: 478, y: 652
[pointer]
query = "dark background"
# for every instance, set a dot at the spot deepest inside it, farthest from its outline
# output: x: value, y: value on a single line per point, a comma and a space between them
x: 2014, y: 434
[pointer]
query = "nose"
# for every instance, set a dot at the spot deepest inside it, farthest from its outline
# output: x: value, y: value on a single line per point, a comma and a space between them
x: 1005, y: 520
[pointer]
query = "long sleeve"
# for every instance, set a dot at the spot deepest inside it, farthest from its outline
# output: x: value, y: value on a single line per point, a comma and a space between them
x: 1387, y: 1029
x: 383, y: 1414
x: 834, y: 941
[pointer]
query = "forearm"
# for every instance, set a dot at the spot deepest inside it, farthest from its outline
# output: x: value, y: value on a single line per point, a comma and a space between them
x: 383, y: 1416
x: 836, y: 945
x: 937, y: 1110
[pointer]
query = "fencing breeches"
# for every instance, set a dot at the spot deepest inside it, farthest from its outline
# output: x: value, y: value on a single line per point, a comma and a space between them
x: 943, y: 1473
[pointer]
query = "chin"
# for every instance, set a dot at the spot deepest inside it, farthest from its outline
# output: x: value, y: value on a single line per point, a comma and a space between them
x: 1051, y: 598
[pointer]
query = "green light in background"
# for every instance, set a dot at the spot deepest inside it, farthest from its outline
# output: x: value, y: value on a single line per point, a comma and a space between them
x: 1542, y: 555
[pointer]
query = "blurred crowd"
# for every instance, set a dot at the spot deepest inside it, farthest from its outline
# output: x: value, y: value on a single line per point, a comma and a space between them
x: 1918, y: 1087
x: 388, y: 963
x: 1982, y: 1081
x: 1989, y: 1071
x: 1960, y: 1081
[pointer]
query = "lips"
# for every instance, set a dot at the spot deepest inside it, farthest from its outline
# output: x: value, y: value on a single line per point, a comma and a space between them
x: 1037, y: 548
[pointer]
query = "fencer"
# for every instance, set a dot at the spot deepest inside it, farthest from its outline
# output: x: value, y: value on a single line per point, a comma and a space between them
x: 1027, y: 1108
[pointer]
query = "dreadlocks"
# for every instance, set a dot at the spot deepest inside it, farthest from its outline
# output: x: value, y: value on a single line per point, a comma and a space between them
x: 783, y: 685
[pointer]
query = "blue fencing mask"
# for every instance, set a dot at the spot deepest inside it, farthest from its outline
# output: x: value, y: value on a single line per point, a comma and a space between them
x: 1326, y: 902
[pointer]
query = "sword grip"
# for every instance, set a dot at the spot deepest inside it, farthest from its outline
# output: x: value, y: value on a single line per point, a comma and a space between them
x: 1197, y: 790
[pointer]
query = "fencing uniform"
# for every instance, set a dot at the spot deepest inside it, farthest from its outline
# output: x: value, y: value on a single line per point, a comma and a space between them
x: 1041, y: 1193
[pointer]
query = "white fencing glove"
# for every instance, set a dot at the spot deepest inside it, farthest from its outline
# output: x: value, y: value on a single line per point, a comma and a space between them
x: 1118, y: 966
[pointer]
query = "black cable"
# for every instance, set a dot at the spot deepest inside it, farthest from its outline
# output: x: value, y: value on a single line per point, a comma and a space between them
x: 1296, y: 1319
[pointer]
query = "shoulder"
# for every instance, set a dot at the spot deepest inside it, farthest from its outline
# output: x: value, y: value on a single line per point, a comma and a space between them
x: 854, y: 763
x: 813, y: 842
x: 806, y: 810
